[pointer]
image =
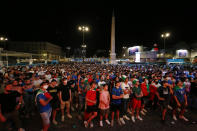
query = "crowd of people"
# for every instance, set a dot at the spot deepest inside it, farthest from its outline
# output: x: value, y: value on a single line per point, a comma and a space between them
x: 95, y: 91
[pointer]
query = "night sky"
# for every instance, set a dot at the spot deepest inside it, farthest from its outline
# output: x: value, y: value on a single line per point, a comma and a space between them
x: 136, y: 23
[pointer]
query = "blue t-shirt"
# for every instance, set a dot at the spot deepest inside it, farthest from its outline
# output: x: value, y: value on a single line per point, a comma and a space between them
x: 116, y: 92
x: 40, y: 107
x: 97, y: 81
x: 74, y: 77
x: 179, y: 93
x: 112, y: 76
x: 140, y: 79
x: 170, y: 82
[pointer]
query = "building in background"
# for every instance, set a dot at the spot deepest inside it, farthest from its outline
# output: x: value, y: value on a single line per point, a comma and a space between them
x: 138, y: 54
x: 43, y: 50
x: 181, y: 50
x: 39, y: 51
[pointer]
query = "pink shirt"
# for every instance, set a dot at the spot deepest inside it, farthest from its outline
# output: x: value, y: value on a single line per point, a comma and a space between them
x: 104, y: 100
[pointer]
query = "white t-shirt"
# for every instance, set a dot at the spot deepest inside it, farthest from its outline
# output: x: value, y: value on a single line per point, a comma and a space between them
x: 100, y: 83
x: 48, y: 77
x: 157, y: 85
x: 37, y: 83
x: 123, y: 86
x: 130, y: 84
x: 41, y: 73
x: 62, y: 70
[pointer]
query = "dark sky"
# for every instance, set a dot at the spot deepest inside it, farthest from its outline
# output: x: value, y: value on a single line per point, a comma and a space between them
x: 136, y: 23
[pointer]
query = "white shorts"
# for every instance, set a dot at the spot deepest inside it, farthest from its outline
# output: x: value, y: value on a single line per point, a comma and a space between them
x: 46, y: 117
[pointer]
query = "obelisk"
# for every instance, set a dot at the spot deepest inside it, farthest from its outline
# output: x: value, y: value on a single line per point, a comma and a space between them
x: 112, y: 52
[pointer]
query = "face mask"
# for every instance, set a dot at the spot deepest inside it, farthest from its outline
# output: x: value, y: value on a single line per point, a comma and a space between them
x: 45, y: 87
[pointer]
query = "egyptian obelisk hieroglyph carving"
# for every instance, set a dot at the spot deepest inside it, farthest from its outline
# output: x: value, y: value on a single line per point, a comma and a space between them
x: 112, y: 51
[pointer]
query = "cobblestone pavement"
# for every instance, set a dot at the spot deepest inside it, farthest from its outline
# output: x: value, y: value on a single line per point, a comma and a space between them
x: 151, y: 122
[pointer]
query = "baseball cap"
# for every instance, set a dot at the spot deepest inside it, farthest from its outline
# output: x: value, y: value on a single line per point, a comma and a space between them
x: 124, y: 77
x: 53, y: 80
x: 135, y: 81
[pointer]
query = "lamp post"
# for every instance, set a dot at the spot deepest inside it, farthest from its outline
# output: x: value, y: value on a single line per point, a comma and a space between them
x: 83, y: 46
x: 3, y: 39
x: 68, y: 51
x: 124, y: 51
x: 45, y: 58
x: 164, y: 36
x: 83, y: 50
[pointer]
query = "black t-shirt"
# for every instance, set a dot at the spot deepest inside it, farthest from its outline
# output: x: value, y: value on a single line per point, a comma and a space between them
x: 193, y: 90
x: 65, y: 92
x: 73, y: 89
x: 8, y: 101
x: 164, y: 92
x: 54, y: 92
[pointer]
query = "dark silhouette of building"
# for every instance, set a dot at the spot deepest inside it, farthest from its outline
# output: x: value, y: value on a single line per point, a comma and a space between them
x: 43, y: 50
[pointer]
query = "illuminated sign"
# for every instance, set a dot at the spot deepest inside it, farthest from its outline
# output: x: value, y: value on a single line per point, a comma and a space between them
x: 175, y: 60
x: 137, y: 57
x: 133, y: 50
x: 182, y: 53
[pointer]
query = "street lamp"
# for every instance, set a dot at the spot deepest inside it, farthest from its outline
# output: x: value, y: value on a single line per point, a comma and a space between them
x: 68, y: 51
x: 83, y: 46
x: 164, y: 36
x: 124, y: 50
x: 3, y: 40
x: 83, y: 29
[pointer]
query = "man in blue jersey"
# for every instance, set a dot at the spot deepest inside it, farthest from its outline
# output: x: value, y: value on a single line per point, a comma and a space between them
x: 180, y: 100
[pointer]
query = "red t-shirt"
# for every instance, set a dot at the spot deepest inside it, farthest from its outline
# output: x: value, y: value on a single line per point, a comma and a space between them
x: 91, y: 95
x: 90, y: 80
x: 144, y: 89
x: 153, y: 90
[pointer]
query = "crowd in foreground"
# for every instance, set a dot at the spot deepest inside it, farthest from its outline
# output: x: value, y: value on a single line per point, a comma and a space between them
x: 107, y: 92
